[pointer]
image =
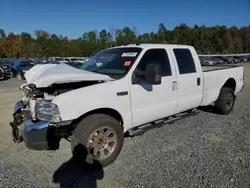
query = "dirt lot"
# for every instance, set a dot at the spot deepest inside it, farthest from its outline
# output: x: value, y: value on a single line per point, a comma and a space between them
x: 207, y: 150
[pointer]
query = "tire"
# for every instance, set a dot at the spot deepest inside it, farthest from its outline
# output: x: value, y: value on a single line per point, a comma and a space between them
x: 13, y: 73
x: 19, y: 76
x: 86, y: 130
x: 1, y: 74
x: 225, y: 102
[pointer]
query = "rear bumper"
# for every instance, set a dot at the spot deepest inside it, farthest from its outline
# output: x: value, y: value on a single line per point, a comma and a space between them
x: 36, y: 135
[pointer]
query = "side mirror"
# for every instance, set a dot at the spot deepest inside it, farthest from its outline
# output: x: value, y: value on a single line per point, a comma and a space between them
x: 153, y: 73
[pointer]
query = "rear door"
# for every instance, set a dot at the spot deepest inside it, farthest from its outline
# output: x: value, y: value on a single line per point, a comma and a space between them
x: 152, y: 102
x: 190, y: 81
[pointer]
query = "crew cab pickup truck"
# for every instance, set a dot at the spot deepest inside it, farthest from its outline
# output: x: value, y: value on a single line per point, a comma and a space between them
x: 121, y: 91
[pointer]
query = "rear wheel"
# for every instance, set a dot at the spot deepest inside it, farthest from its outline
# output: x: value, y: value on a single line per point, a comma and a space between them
x: 225, y: 102
x: 97, y: 140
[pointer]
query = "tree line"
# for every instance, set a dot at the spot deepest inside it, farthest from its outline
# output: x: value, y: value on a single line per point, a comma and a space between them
x: 206, y: 40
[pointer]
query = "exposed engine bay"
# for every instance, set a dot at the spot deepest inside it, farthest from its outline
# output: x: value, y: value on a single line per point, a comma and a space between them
x: 31, y: 92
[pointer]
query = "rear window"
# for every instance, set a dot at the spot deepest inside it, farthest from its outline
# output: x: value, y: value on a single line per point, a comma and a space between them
x: 185, y: 60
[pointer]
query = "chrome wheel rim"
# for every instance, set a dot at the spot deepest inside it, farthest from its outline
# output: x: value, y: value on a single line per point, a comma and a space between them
x: 102, y: 143
x: 229, y: 101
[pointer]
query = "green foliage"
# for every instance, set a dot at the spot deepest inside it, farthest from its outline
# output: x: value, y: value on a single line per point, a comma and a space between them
x: 216, y: 39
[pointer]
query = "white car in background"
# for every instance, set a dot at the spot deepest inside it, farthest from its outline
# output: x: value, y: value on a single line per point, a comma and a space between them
x: 58, y: 59
x: 74, y: 59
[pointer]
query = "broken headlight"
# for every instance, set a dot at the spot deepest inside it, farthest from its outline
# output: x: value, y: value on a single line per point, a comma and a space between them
x: 47, y: 111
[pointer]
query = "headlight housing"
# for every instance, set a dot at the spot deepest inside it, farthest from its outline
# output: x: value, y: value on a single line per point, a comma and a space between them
x: 47, y: 111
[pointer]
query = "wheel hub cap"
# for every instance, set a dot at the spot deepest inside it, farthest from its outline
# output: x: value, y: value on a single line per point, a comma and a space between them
x: 229, y: 101
x: 102, y: 143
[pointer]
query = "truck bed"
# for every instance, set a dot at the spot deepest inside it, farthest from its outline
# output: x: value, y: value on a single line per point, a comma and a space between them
x: 214, y: 77
x: 221, y: 67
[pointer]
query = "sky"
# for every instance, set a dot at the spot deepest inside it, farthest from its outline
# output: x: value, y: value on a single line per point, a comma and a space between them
x: 73, y: 18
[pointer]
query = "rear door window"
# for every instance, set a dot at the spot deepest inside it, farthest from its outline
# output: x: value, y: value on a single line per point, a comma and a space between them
x: 185, y: 60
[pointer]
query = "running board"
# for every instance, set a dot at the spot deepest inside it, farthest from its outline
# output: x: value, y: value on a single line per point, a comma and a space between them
x: 172, y: 119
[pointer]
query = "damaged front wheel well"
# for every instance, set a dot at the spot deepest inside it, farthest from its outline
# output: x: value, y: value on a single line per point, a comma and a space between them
x: 107, y: 111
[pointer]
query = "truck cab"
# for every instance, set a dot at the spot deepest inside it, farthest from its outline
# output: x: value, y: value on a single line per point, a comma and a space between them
x: 121, y: 91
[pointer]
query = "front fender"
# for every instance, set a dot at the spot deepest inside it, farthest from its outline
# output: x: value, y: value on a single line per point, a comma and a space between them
x: 76, y: 103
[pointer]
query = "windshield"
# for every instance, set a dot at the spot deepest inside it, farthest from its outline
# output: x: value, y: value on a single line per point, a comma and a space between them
x: 114, y: 62
x: 74, y: 59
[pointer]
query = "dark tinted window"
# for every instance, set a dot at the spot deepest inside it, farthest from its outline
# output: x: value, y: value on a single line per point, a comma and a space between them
x: 156, y: 55
x: 185, y: 61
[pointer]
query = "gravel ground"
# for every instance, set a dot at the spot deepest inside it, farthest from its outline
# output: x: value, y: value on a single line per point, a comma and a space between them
x: 207, y: 150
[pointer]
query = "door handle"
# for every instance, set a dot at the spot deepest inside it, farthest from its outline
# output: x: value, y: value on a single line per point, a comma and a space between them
x: 198, y: 81
x: 174, y: 86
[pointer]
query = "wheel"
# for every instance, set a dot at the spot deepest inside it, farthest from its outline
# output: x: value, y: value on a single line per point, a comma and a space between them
x: 1, y: 74
x: 19, y: 76
x: 13, y: 73
x: 97, y: 140
x: 225, y: 102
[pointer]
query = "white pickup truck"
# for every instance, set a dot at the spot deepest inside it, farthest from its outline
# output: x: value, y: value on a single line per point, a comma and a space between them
x: 124, y: 90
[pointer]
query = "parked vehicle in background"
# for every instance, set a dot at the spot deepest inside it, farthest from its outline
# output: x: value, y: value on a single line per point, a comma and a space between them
x: 217, y: 60
x: 235, y: 60
x: 227, y: 59
x: 40, y: 60
x: 208, y: 61
x: 6, y: 68
x: 75, y: 64
x: 241, y: 58
x: 133, y: 88
x: 20, y: 67
x: 74, y: 59
x: 51, y: 62
x: 1, y: 73
x: 58, y: 59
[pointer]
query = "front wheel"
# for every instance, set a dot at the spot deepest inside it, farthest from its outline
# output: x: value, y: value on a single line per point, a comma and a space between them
x: 225, y: 102
x: 97, y: 140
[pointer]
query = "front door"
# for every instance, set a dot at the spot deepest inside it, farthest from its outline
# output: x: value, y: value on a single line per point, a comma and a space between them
x: 152, y: 102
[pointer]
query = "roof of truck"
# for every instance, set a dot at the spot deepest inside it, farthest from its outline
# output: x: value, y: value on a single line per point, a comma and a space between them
x: 155, y: 46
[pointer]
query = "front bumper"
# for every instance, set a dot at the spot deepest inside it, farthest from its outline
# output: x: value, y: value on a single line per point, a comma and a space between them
x: 36, y: 135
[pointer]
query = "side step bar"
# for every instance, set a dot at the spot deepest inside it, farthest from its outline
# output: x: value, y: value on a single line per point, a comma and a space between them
x: 141, y: 130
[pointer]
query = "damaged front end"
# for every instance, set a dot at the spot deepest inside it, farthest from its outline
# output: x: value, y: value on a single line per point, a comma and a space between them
x: 25, y: 125
x: 36, y: 119
x: 21, y: 113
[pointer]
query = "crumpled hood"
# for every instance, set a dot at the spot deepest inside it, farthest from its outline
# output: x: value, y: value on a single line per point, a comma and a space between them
x: 45, y: 75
